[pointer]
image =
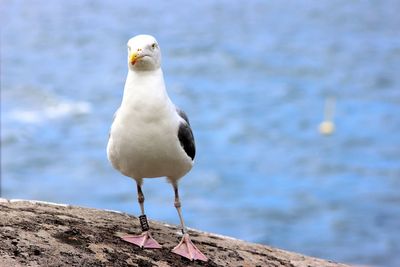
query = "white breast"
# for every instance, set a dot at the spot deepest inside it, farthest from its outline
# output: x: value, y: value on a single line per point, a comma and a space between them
x: 143, y: 139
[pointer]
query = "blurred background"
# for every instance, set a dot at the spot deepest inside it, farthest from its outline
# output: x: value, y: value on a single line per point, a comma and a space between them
x: 253, y: 77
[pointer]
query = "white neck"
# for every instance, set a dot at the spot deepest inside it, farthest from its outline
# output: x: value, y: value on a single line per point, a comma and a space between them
x: 145, y: 91
x: 144, y: 84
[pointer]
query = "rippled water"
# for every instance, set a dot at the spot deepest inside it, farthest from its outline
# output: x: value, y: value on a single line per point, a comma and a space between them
x: 253, y: 77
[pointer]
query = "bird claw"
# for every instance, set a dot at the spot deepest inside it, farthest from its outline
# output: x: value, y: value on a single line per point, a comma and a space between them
x: 143, y: 240
x: 187, y: 249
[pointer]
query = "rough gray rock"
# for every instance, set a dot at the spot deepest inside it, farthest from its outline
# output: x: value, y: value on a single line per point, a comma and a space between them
x: 44, y: 234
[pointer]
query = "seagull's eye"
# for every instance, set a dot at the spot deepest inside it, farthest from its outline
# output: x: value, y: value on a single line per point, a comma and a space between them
x: 153, y: 46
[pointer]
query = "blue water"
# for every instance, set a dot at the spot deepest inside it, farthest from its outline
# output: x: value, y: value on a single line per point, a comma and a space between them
x: 253, y: 77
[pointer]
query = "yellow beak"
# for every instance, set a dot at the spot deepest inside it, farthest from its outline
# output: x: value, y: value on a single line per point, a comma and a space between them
x: 133, y: 58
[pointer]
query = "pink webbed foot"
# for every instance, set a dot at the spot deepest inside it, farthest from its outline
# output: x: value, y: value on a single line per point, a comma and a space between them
x: 187, y: 249
x: 143, y: 240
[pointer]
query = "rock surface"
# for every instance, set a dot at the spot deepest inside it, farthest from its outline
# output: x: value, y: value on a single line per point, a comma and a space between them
x: 45, y: 234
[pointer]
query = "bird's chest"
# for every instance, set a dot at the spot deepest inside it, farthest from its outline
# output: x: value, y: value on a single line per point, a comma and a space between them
x: 144, y: 135
x: 144, y: 129
x: 144, y: 140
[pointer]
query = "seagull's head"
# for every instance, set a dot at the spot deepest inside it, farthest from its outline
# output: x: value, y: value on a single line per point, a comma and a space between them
x: 143, y: 53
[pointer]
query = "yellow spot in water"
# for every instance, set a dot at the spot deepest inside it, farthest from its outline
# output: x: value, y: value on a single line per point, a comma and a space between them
x: 327, y: 126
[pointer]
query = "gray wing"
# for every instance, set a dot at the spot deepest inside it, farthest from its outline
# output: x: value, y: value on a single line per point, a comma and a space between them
x: 185, y: 135
x: 183, y: 115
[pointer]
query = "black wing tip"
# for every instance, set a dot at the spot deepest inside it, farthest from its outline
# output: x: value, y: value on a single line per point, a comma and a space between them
x: 185, y: 136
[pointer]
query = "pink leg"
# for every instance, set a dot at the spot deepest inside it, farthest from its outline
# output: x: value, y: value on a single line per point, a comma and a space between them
x: 185, y: 248
x: 144, y: 240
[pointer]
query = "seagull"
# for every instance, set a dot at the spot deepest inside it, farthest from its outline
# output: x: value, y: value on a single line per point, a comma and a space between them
x: 150, y: 137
